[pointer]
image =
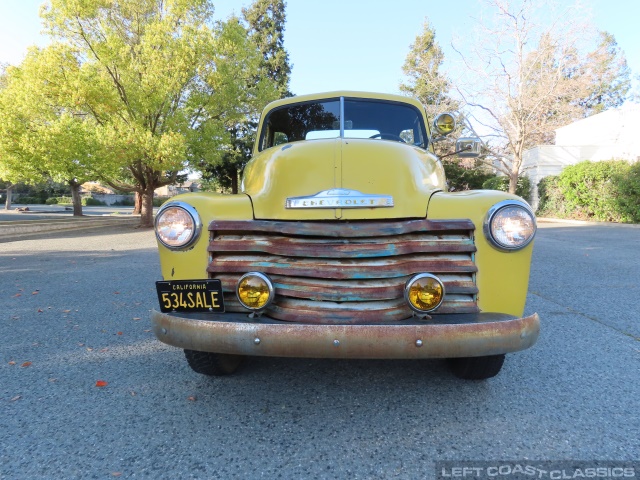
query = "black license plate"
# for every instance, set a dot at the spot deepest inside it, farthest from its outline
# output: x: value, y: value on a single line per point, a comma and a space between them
x: 190, y: 296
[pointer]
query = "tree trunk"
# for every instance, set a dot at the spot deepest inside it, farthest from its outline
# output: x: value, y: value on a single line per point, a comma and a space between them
x: 75, y: 197
x: 513, y: 182
x: 146, y: 211
x: 7, y: 202
x: 137, y: 206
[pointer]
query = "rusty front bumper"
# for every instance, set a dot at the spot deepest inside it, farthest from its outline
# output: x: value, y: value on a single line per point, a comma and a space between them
x: 445, y: 336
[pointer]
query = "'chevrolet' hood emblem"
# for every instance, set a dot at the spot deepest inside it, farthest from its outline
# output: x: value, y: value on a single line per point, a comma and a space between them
x: 340, y: 198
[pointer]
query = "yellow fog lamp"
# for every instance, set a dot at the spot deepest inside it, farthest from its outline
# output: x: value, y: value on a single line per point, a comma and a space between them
x: 424, y: 292
x: 255, y: 291
x: 444, y: 124
x: 177, y: 225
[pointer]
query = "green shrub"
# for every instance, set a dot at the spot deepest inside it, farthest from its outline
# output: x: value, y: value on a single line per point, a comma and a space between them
x: 30, y: 200
x: 523, y: 188
x: 551, y: 202
x: 64, y: 200
x: 606, y: 191
x: 158, y: 201
x: 460, y: 178
x: 84, y: 201
x: 90, y: 201
x: 589, y: 189
x: 628, y: 193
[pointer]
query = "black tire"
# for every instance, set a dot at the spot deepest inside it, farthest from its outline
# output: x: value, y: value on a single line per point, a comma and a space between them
x: 216, y: 364
x: 476, y: 368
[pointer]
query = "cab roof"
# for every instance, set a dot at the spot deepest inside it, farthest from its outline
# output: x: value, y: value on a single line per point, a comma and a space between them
x: 346, y: 94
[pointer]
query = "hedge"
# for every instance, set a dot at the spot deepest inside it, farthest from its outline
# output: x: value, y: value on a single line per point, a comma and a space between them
x: 26, y: 200
x: 69, y: 201
x: 90, y: 201
x: 460, y: 178
x: 606, y: 191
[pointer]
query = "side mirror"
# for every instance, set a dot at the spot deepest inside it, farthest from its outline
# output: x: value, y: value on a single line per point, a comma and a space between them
x: 468, y: 147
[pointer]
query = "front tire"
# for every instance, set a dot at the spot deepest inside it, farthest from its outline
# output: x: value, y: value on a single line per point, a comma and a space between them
x: 476, y: 368
x: 214, y: 364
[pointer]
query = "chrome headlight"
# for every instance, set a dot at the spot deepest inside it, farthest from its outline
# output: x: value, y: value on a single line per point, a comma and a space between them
x: 510, y: 225
x: 177, y: 225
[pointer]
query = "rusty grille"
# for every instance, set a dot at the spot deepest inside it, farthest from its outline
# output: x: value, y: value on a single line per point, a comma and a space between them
x: 345, y: 272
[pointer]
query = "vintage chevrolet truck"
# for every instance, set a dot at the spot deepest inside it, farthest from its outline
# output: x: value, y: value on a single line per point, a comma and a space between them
x: 345, y: 243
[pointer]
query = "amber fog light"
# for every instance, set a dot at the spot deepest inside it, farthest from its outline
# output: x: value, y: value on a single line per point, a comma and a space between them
x: 177, y: 225
x: 444, y: 124
x: 424, y: 292
x: 255, y: 291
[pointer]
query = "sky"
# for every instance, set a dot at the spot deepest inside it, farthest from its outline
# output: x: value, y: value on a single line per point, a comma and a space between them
x: 351, y: 45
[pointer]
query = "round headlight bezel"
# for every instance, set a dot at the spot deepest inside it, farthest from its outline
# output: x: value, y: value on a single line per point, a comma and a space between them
x: 444, y: 123
x: 195, y: 219
x: 270, y: 288
x: 415, y: 278
x: 494, y: 211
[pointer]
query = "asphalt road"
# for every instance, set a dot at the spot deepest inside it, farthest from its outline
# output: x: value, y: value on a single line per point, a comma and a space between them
x: 74, y: 310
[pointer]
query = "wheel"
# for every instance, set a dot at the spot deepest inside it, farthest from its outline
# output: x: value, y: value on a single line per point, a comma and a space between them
x: 216, y: 364
x: 476, y: 368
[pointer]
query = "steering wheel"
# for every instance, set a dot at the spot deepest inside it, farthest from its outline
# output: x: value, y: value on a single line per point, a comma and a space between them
x: 388, y: 136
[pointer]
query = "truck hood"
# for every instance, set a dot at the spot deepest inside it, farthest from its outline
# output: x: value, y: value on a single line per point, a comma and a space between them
x: 345, y: 179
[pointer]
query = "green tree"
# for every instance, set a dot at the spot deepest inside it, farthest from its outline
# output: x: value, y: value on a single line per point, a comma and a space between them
x: 426, y: 81
x: 11, y: 172
x: 609, y: 76
x: 42, y: 134
x: 265, y: 22
x: 5, y: 172
x: 224, y: 175
x: 160, y: 80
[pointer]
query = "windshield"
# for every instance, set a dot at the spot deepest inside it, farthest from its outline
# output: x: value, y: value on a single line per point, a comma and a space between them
x: 363, y: 118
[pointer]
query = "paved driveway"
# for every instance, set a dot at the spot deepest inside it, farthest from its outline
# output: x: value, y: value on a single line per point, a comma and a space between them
x: 74, y: 311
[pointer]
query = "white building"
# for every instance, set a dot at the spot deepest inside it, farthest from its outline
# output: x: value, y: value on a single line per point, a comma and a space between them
x: 612, y: 134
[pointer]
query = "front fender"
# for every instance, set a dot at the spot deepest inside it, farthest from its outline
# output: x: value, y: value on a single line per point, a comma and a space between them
x: 503, y: 277
x: 191, y: 264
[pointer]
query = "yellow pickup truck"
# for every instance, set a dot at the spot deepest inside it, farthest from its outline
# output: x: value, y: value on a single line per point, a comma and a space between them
x: 344, y: 243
